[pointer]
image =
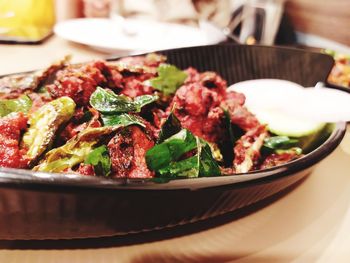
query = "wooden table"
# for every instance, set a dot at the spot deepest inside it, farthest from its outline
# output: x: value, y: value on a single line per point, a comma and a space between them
x: 311, y: 223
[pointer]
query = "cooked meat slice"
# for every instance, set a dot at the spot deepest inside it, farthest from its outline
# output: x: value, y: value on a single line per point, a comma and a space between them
x: 46, y: 76
x: 14, y: 85
x: 11, y: 127
x: 129, y: 80
x: 38, y: 100
x: 127, y: 150
x: 276, y: 159
x: 247, y: 149
x: 78, y: 82
x: 198, y: 109
x: 240, y: 115
x: 80, y: 122
x: 150, y: 60
x: 86, y: 169
x: 133, y: 87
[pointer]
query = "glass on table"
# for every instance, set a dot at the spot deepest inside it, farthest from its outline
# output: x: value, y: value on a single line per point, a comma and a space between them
x: 26, y: 20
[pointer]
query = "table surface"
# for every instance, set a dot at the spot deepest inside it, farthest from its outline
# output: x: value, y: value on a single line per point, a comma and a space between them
x: 310, y: 223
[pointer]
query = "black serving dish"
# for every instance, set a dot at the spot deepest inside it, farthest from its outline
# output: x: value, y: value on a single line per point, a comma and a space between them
x: 338, y: 87
x: 62, y: 206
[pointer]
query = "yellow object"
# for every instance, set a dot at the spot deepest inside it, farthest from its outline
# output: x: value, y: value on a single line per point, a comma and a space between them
x: 26, y: 20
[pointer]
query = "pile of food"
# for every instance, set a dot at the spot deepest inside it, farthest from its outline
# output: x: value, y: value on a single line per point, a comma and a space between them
x: 137, y: 117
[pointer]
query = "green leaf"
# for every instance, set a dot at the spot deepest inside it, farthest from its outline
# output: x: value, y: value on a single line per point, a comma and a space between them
x: 22, y: 104
x: 99, y: 158
x: 108, y: 102
x: 233, y: 139
x: 169, y: 79
x: 183, y: 168
x: 44, y: 124
x: 74, y: 151
x: 170, y: 127
x: 170, y: 150
x: 122, y: 120
x: 164, y: 158
x: 208, y: 166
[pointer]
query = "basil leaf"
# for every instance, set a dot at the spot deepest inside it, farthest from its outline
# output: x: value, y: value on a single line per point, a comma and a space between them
x: 109, y: 102
x: 169, y: 79
x: 170, y: 127
x: 22, y: 104
x: 99, y: 158
x: 122, y: 120
x: 170, y: 150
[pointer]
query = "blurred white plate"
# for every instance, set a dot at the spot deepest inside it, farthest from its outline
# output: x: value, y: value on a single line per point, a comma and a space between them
x: 109, y: 36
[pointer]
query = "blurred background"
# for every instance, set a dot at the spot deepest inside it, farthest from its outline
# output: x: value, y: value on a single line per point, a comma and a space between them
x: 110, y: 28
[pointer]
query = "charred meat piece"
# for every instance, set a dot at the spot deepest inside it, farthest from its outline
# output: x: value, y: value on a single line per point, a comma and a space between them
x: 197, y: 104
x: 129, y: 80
x: 86, y: 169
x: 247, y: 149
x: 198, y: 109
x: 200, y: 104
x: 38, y: 100
x: 240, y: 115
x: 14, y: 85
x: 11, y: 127
x: 78, y: 82
x: 150, y: 60
x: 82, y: 119
x: 276, y: 159
x: 134, y: 87
x: 127, y: 151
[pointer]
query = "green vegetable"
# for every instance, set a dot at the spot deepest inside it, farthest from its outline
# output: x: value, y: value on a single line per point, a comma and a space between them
x: 22, y: 104
x: 99, y: 158
x: 108, y: 102
x: 292, y: 150
x: 170, y: 127
x: 207, y: 166
x: 308, y: 133
x: 200, y: 165
x: 234, y: 131
x: 164, y: 158
x: 279, y: 124
x: 184, y: 168
x: 170, y: 150
x: 122, y: 120
x: 169, y: 79
x: 43, y: 125
x: 74, y: 151
x: 279, y: 142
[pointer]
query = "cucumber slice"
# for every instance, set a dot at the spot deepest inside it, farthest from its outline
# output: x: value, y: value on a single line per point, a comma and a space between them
x: 282, y: 124
x: 309, y: 134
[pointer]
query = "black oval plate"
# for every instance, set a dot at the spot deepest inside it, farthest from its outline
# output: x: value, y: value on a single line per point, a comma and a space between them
x: 60, y: 206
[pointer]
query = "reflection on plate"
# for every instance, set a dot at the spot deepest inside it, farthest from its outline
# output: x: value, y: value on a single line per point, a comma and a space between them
x: 132, y: 35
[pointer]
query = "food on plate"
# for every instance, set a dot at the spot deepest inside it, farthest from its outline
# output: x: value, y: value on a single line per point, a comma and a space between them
x: 340, y: 74
x: 136, y: 117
